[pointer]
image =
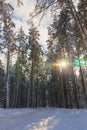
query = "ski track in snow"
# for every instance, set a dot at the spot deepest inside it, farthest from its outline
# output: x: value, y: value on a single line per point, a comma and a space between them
x: 43, y: 119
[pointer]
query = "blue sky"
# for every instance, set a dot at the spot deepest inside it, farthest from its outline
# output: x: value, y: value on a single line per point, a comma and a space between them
x: 21, y: 15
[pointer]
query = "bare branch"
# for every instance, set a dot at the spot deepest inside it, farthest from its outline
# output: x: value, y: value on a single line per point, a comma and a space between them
x: 19, y: 2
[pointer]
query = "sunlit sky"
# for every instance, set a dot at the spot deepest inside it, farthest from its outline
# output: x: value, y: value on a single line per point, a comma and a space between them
x: 21, y: 15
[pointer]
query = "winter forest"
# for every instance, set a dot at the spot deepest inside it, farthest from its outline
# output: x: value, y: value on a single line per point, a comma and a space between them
x: 32, y: 77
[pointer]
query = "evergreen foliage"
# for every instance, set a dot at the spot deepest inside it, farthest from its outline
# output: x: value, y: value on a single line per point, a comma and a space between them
x: 32, y: 81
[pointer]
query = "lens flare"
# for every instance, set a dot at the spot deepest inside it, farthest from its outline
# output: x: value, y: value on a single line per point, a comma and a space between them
x: 63, y: 64
x: 55, y: 64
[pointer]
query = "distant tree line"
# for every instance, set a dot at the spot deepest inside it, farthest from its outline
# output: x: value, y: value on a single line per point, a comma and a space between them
x: 30, y: 82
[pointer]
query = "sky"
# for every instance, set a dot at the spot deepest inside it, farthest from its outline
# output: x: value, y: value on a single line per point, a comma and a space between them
x: 21, y: 14
x: 20, y: 17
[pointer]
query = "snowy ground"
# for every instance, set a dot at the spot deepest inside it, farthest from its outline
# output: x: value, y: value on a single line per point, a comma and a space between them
x: 43, y: 119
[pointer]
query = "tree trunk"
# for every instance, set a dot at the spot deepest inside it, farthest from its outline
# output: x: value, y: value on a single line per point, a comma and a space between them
x: 78, y: 22
x: 8, y: 77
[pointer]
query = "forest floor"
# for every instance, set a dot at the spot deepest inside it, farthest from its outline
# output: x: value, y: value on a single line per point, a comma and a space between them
x: 43, y: 119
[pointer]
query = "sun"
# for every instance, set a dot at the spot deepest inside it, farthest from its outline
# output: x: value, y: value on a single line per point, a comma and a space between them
x: 63, y: 64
